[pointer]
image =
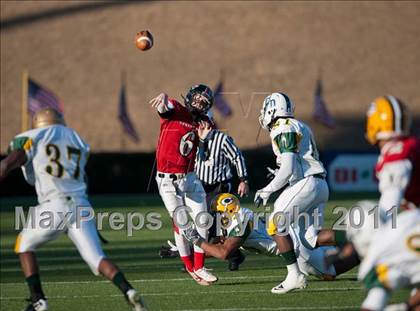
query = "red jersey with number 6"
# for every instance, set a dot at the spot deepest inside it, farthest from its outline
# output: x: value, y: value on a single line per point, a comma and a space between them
x: 178, y: 140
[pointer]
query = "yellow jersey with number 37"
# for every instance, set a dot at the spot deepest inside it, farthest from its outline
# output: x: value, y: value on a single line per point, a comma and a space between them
x: 56, y: 158
x: 291, y: 135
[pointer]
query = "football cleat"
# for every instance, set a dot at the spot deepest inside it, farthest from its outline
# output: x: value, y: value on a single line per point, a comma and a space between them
x: 39, y: 305
x: 289, y: 284
x: 205, y: 274
x: 199, y: 280
x: 134, y: 300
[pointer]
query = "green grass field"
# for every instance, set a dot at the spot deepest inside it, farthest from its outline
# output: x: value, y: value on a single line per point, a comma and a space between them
x: 69, y: 284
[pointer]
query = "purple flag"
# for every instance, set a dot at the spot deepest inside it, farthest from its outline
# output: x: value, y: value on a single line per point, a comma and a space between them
x: 321, y: 113
x: 40, y: 97
x: 219, y: 101
x: 124, y: 118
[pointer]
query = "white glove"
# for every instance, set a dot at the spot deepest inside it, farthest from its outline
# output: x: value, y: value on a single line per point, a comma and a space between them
x: 261, y: 196
x: 271, y: 172
x: 161, y: 103
x: 192, y: 235
x: 172, y: 246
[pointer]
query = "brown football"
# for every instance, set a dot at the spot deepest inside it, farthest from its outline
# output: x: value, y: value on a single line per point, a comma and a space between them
x: 144, y: 40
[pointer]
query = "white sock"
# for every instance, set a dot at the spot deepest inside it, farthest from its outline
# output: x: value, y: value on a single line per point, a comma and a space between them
x: 293, y: 269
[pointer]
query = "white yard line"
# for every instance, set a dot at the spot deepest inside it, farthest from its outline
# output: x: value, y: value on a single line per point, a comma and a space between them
x: 193, y: 293
x: 229, y: 278
x: 78, y: 266
x: 277, y: 308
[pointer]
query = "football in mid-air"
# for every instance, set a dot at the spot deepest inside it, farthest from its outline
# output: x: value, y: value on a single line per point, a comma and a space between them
x: 144, y: 40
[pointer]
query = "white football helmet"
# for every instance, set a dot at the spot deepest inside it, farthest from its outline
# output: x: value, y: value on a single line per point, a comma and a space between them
x: 276, y: 105
x: 362, y: 224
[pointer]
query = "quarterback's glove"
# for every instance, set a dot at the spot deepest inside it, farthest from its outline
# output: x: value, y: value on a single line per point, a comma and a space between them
x: 261, y: 196
x: 271, y: 172
x: 192, y: 236
x: 168, y: 251
x: 161, y: 103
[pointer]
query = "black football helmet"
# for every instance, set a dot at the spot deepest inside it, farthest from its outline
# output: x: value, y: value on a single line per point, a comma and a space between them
x: 199, y: 99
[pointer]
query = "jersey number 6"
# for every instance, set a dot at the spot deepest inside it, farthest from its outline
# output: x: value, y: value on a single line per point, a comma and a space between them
x: 186, y: 143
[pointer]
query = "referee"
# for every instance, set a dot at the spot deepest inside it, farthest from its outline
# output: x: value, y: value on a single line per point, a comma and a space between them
x: 216, y: 157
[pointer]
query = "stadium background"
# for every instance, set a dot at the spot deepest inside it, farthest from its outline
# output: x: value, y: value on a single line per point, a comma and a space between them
x: 78, y: 49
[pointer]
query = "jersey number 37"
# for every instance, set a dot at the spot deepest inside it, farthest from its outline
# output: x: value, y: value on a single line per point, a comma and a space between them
x: 55, y: 166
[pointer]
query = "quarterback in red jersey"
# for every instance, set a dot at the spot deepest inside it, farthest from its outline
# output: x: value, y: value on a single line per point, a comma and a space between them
x: 179, y: 186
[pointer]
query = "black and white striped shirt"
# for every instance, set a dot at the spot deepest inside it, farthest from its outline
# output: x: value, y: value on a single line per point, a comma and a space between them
x: 215, y: 158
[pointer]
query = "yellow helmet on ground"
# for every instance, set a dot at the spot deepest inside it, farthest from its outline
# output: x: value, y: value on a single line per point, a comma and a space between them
x: 387, y: 117
x: 47, y: 116
x: 226, y: 203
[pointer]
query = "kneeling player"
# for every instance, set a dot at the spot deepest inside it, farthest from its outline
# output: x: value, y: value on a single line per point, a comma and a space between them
x: 239, y: 231
x: 53, y: 158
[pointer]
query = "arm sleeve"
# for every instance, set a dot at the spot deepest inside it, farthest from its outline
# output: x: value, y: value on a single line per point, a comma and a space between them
x: 287, y: 142
x: 24, y: 143
x: 288, y: 161
x: 28, y: 173
x: 203, y: 152
x: 166, y: 111
x: 235, y: 156
x: 393, y: 180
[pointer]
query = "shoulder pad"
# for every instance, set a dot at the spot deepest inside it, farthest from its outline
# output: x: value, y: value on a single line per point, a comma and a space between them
x: 283, y: 126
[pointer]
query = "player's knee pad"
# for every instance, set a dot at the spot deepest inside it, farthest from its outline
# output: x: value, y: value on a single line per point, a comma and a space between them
x: 18, y: 244
x: 26, y: 243
x: 278, y: 224
x: 272, y: 228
